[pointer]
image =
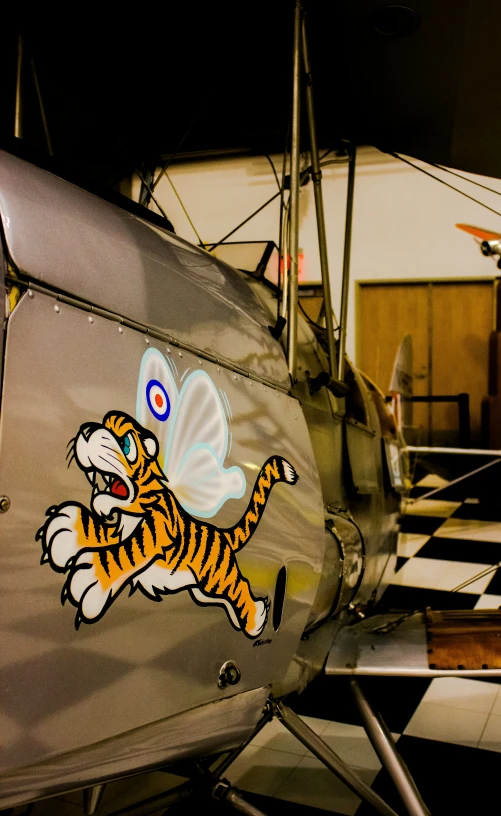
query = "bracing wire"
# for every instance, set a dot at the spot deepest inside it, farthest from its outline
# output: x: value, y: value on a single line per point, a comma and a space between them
x: 192, y: 225
x: 463, y: 178
x: 150, y: 191
x: 450, y: 186
x: 274, y: 171
x: 182, y: 140
x: 242, y: 223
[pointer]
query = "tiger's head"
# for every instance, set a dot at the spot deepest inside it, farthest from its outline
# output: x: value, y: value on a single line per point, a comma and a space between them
x: 119, y: 458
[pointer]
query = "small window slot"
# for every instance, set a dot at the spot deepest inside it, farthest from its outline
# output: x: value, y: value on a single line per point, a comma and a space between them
x: 278, y: 602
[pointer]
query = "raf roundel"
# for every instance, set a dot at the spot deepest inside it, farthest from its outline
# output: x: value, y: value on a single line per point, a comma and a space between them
x: 158, y: 400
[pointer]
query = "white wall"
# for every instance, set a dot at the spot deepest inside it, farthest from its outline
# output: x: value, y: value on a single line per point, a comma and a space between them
x: 403, y: 221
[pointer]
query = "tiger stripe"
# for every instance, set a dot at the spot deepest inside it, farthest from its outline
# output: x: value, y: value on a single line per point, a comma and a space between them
x: 169, y: 537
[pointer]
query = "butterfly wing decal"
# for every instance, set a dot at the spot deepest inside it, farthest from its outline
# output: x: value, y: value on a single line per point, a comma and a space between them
x: 197, y: 447
x: 157, y: 397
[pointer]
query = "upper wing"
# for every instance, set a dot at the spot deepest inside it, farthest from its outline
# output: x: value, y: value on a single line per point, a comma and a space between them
x: 196, y: 449
x: 157, y: 397
x: 479, y: 232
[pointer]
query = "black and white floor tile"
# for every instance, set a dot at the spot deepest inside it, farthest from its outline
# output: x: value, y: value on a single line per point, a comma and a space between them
x: 448, y: 730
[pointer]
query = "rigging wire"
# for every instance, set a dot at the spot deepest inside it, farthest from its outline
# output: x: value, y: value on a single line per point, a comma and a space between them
x: 450, y: 186
x: 182, y: 140
x: 310, y: 319
x: 192, y: 225
x: 463, y: 178
x: 274, y: 171
x: 150, y: 191
x: 214, y: 246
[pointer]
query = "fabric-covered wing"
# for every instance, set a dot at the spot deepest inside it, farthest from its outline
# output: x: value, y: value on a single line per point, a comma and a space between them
x: 157, y: 397
x: 197, y: 447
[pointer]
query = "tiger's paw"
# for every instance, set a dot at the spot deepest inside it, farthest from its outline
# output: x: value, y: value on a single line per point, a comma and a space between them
x: 260, y: 617
x: 59, y: 536
x: 290, y: 474
x: 84, y: 590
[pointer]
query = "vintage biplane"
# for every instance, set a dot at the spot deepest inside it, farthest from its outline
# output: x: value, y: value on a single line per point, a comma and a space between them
x: 199, y: 492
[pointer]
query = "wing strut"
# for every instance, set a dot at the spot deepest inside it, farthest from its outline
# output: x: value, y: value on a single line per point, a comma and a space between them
x: 294, y: 197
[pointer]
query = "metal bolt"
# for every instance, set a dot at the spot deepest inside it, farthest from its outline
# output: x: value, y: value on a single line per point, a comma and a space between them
x: 180, y: 353
x: 120, y: 330
x: 229, y: 675
x: 56, y: 308
x: 146, y: 341
x: 91, y: 320
x: 235, y: 377
x: 30, y: 293
x: 168, y: 350
x: 4, y: 504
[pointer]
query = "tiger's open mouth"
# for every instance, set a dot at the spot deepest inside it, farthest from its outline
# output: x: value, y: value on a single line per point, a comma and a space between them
x: 103, y: 482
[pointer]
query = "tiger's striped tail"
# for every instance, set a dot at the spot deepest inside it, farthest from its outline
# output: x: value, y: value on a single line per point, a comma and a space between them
x: 275, y: 469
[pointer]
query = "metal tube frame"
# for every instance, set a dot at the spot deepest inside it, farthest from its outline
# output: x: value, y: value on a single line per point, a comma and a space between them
x: 294, y: 198
x: 285, y: 260
x: 42, y: 108
x: 345, y: 287
x: 92, y: 797
x: 319, y: 206
x: 227, y: 793
x: 18, y: 114
x: 384, y: 746
x: 329, y: 758
x: 228, y: 760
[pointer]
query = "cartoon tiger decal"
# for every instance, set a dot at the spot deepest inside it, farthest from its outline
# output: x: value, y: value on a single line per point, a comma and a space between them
x: 138, y: 534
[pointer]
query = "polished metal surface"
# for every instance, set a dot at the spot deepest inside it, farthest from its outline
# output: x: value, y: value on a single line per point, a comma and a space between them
x: 345, y: 286
x: 363, y: 450
x: 292, y: 300
x: 384, y: 746
x: 330, y: 759
x: 319, y: 205
x: 89, y: 249
x: 352, y: 559
x: 402, y: 651
x: 137, y: 687
x: 205, y: 730
x: 350, y: 464
x: 110, y: 677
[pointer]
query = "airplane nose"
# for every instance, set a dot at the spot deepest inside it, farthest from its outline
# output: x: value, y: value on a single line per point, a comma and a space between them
x: 88, y: 428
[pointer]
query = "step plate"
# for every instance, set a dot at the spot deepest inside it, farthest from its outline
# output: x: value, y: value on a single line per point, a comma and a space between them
x: 402, y: 651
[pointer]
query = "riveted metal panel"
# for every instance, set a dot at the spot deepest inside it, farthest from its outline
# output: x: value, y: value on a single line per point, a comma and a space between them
x: 95, y: 251
x: 63, y: 689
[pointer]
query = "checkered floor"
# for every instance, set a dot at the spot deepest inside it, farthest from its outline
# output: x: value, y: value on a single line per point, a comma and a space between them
x: 448, y: 730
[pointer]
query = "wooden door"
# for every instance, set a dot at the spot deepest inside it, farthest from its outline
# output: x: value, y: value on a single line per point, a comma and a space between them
x: 385, y: 314
x: 450, y: 325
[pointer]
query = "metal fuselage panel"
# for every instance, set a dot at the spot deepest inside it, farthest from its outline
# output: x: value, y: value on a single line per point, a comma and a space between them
x: 94, y: 251
x: 202, y: 731
x: 142, y: 661
x: 350, y: 460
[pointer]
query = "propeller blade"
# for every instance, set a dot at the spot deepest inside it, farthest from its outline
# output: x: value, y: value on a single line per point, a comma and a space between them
x: 478, y: 232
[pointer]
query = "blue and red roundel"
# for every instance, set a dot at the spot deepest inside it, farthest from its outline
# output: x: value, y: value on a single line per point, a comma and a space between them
x: 158, y: 400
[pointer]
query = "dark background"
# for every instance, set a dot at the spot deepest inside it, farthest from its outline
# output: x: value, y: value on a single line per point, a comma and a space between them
x: 131, y: 88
